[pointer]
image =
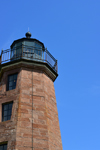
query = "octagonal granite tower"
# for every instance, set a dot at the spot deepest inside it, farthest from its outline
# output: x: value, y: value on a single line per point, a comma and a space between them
x: 28, y: 110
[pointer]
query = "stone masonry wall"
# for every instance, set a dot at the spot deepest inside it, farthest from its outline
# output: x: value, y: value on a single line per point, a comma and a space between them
x: 34, y: 124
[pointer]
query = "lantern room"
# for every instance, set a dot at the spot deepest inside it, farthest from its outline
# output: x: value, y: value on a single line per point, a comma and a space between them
x: 30, y: 50
x: 27, y: 48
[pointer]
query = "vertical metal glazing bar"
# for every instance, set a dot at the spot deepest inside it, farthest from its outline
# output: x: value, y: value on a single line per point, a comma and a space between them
x: 40, y: 54
x: 23, y: 51
x: 16, y: 51
x: 33, y: 53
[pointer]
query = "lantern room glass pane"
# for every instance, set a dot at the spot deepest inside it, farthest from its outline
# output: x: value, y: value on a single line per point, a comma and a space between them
x: 30, y: 50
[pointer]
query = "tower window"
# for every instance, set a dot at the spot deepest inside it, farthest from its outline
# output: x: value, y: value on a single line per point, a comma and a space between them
x: 3, y: 147
x: 6, y: 111
x: 12, y: 79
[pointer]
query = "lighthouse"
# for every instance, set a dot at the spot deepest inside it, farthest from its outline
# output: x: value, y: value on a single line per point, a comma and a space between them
x: 28, y: 108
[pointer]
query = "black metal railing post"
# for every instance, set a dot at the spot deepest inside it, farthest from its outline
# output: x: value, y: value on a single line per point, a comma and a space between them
x: 22, y: 50
x: 46, y: 54
x: 56, y: 65
x: 1, y: 56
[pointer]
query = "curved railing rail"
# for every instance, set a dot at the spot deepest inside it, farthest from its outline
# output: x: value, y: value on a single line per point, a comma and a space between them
x: 29, y: 53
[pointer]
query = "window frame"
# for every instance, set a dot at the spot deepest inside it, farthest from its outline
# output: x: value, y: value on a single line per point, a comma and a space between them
x: 11, y: 102
x: 3, y: 144
x: 7, y: 88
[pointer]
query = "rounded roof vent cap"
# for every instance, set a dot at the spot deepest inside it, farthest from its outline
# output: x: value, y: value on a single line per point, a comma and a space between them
x: 28, y: 34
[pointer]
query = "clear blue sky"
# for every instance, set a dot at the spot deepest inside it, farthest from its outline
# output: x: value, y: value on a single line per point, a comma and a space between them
x: 70, y: 29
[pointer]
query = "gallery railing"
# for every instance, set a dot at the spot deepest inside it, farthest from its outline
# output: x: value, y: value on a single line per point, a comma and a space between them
x: 29, y: 53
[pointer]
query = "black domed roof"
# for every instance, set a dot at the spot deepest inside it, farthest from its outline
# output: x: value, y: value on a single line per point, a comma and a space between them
x: 28, y: 39
x: 28, y: 34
